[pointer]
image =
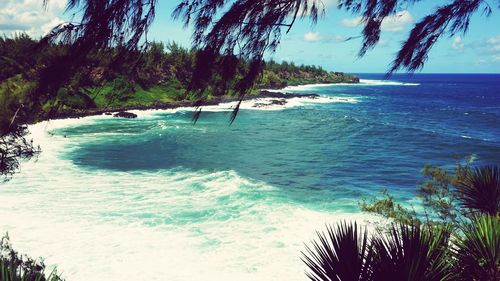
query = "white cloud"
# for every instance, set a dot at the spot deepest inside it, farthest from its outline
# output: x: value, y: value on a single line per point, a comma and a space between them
x: 30, y: 16
x: 353, y: 22
x: 311, y: 37
x: 488, y: 49
x: 383, y: 42
x: 329, y: 3
x: 335, y: 38
x: 46, y: 28
x: 457, y: 43
x: 394, y: 23
x: 494, y: 43
x: 328, y: 38
x: 397, y: 22
x: 494, y: 40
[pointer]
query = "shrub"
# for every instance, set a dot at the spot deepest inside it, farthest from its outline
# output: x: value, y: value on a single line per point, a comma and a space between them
x: 16, y: 267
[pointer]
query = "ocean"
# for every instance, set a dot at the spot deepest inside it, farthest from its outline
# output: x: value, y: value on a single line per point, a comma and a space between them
x: 161, y: 198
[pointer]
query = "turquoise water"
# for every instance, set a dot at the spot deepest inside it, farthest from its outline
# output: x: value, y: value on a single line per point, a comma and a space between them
x: 237, y: 202
x: 323, y: 155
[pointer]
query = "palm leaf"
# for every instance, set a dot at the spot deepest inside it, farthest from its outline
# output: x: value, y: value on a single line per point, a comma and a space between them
x: 480, y: 190
x: 477, y: 249
x: 409, y: 252
x: 342, y: 253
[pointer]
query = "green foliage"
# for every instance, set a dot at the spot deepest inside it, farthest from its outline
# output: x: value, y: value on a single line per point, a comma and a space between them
x: 479, y: 190
x: 410, y: 252
x: 407, y: 252
x: 14, y: 267
x: 120, y: 77
x: 13, y: 145
x: 388, y: 208
x: 477, y: 249
x: 439, y: 195
x: 11, y: 96
x: 280, y: 75
x: 14, y: 55
x: 402, y: 252
x: 121, y: 90
x: 345, y: 244
x: 446, y: 196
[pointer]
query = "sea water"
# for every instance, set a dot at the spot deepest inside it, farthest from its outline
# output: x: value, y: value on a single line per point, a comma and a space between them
x: 161, y: 198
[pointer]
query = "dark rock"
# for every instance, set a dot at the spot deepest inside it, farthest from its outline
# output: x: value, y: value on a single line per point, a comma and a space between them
x: 268, y: 94
x: 259, y: 105
x: 278, y: 102
x: 273, y: 102
x: 125, y: 114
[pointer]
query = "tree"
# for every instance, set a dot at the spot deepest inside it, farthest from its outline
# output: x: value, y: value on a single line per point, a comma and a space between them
x: 250, y: 28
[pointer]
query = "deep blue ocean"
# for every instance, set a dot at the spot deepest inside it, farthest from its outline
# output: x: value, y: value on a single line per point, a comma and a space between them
x: 228, y: 196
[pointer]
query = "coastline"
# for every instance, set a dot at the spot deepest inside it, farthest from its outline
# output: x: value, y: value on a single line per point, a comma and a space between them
x: 277, y: 97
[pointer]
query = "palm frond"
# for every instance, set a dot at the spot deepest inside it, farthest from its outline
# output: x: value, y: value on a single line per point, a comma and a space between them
x: 409, y: 252
x: 477, y: 249
x: 343, y: 245
x: 480, y: 190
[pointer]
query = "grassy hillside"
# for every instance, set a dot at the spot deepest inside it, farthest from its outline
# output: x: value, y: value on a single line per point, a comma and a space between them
x: 159, y: 74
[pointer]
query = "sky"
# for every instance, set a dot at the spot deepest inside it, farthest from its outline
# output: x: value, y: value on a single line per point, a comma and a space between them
x: 477, y: 51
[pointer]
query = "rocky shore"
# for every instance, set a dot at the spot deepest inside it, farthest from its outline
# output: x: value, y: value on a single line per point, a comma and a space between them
x: 278, y: 98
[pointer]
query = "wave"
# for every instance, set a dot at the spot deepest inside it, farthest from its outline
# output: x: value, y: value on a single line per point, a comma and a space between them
x: 270, y: 103
x: 362, y: 82
x: 104, y: 225
x: 385, y: 83
x: 312, y: 86
x: 254, y: 104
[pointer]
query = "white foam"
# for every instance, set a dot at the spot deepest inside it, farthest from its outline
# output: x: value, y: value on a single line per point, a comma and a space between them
x: 165, y: 225
x: 253, y: 104
x: 267, y: 103
x: 385, y: 83
x: 362, y: 82
x: 311, y: 86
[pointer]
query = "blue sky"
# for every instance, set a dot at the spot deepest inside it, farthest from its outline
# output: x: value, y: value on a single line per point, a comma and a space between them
x: 478, y: 51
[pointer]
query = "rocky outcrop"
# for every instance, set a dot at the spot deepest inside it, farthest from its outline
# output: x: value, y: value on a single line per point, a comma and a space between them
x: 272, y: 102
x: 125, y: 114
x: 273, y: 94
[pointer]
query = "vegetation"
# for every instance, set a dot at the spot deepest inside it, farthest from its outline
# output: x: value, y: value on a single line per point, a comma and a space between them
x: 246, y: 29
x: 458, y: 239
x: 114, y: 77
x: 447, y: 197
x: 14, y: 267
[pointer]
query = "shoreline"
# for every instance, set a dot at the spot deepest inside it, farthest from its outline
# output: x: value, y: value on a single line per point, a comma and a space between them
x: 276, y: 96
